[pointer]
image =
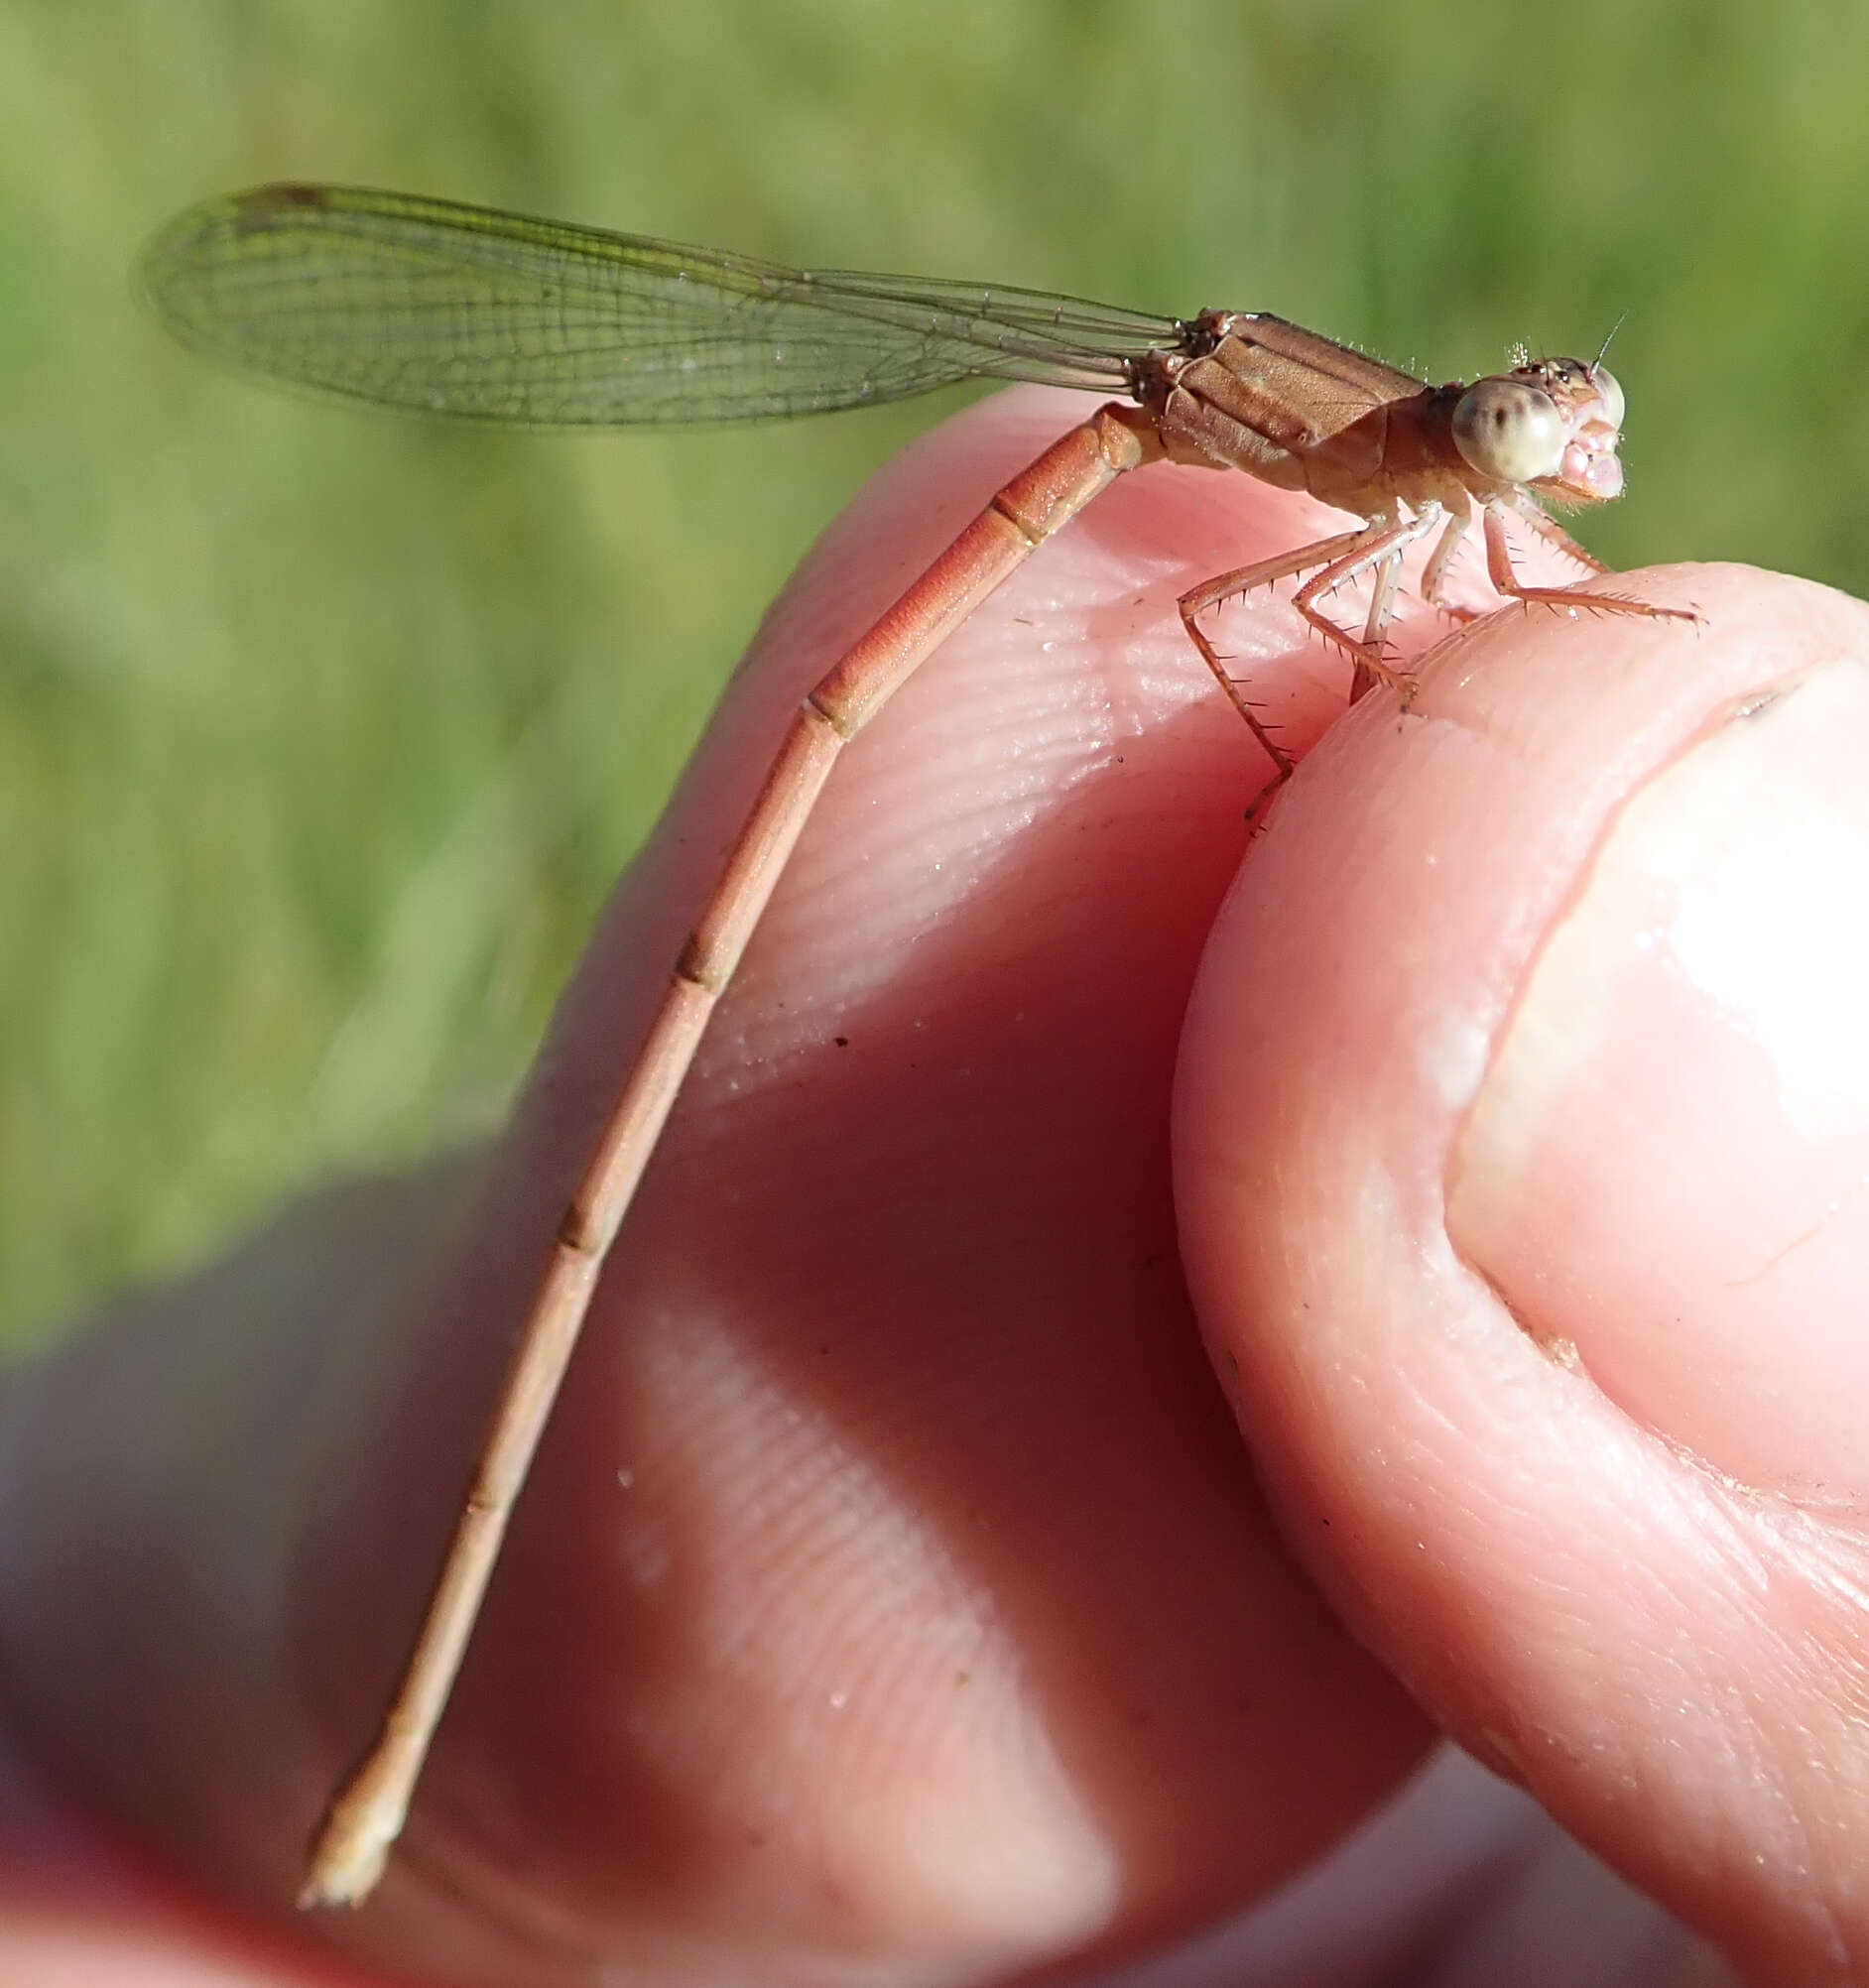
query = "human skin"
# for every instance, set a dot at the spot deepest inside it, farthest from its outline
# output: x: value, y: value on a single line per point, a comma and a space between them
x: 899, y: 1597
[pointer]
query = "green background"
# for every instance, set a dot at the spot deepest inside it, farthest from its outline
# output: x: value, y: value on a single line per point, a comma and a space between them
x: 323, y: 733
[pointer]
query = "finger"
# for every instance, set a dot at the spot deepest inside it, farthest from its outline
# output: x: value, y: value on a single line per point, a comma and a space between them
x: 921, y: 1461
x: 1520, y: 1189
x: 891, y: 1594
x: 145, y: 1468
x: 1460, y: 1879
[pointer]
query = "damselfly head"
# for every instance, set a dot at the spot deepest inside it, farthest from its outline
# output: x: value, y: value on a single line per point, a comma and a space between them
x: 1553, y: 423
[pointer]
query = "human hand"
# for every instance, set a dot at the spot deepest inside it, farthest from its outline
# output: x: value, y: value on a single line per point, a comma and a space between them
x: 894, y: 1599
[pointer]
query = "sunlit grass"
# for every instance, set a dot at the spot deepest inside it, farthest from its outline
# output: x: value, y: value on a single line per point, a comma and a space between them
x: 324, y: 733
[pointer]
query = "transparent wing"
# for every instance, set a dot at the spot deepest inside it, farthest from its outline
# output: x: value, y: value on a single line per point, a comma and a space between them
x: 467, y: 311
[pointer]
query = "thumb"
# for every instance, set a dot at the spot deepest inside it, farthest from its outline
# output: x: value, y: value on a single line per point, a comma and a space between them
x: 1522, y: 1125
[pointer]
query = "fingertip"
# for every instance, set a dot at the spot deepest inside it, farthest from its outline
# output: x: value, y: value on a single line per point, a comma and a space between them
x: 1516, y: 1144
x: 1663, y: 1167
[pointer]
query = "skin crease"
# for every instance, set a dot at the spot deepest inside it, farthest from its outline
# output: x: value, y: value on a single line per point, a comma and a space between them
x: 893, y: 1600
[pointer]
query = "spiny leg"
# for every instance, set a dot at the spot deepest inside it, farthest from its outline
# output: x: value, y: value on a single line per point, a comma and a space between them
x: 1381, y: 546
x: 1243, y: 580
x: 1436, y: 572
x: 1554, y: 534
x: 1341, y: 559
x: 1506, y: 581
x: 1381, y: 606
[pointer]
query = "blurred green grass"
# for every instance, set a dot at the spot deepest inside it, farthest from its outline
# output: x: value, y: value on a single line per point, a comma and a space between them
x: 322, y: 734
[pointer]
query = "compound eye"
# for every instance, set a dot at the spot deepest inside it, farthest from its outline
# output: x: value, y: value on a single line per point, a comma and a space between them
x: 1609, y: 392
x: 1511, y: 432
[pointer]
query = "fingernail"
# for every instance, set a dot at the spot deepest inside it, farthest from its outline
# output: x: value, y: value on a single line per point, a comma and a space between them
x: 1667, y: 1168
